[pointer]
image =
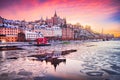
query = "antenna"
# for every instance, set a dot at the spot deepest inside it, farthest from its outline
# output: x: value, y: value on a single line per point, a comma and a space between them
x: 102, y: 31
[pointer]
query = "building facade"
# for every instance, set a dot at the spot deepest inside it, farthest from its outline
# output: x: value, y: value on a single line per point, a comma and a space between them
x: 30, y: 35
x: 67, y: 33
x: 10, y: 34
x: 49, y: 32
x: 55, y: 20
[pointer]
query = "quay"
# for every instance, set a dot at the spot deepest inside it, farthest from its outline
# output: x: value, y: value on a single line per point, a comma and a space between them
x: 13, y: 46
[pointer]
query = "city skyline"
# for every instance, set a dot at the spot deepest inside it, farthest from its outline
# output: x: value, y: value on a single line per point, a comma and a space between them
x: 96, y: 13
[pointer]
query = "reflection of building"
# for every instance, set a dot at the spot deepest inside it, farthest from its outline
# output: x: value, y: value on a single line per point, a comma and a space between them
x: 3, y: 55
x: 55, y: 62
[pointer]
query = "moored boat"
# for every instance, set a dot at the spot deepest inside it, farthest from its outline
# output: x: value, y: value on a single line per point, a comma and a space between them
x: 47, y: 44
x: 42, y: 42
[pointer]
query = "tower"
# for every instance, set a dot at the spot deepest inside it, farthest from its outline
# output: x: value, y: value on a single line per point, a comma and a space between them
x: 55, y: 15
x: 55, y: 19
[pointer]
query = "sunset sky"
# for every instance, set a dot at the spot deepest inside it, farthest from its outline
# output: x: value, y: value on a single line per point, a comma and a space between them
x: 96, y: 13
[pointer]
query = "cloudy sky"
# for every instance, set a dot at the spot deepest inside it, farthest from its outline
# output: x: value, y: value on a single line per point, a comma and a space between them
x: 96, y: 13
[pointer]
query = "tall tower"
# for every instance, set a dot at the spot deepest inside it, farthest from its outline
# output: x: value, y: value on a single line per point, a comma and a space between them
x: 55, y: 15
x: 55, y: 19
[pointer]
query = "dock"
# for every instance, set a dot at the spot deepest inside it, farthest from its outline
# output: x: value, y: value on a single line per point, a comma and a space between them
x: 13, y: 46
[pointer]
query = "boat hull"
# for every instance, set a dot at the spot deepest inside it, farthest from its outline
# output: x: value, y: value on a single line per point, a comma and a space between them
x: 42, y: 44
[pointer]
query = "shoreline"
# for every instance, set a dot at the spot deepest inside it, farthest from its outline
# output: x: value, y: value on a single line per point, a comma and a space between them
x: 11, y: 45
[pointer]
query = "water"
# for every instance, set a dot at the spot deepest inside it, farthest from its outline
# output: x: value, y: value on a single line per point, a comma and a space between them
x: 92, y: 61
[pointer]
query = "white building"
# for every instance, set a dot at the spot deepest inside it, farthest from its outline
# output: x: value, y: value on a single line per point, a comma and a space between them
x: 57, y: 31
x: 53, y: 31
x: 30, y: 35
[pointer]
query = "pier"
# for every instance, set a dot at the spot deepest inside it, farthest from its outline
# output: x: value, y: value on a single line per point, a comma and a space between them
x: 13, y: 46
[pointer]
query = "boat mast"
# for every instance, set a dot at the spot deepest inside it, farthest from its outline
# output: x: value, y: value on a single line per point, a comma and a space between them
x: 102, y: 35
x: 102, y: 32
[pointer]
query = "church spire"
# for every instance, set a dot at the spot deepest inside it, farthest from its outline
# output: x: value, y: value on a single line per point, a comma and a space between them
x: 55, y: 15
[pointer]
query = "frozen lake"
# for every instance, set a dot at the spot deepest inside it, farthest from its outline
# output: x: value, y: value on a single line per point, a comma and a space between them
x: 92, y: 61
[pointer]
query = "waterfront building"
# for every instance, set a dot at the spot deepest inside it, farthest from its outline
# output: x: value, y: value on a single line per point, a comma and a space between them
x: 30, y: 35
x: 9, y: 31
x: 9, y: 34
x: 53, y: 28
x: 67, y: 33
x: 57, y: 31
x: 48, y: 31
x: 2, y: 38
x: 7, y: 38
x: 21, y: 37
x: 77, y: 31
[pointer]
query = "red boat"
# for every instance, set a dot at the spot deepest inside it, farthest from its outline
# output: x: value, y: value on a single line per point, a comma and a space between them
x: 42, y: 42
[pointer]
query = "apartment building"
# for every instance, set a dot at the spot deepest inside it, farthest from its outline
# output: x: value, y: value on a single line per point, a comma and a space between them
x: 9, y: 34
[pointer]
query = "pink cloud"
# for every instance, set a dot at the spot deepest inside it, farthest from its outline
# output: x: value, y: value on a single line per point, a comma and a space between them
x: 90, y: 12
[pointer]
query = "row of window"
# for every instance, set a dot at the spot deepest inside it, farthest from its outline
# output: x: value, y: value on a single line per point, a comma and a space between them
x: 10, y: 29
x: 8, y: 37
x: 31, y: 36
x: 49, y: 28
x: 2, y: 37
x: 8, y: 32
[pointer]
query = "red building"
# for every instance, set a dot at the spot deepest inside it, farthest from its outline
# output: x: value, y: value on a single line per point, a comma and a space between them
x: 67, y: 33
x: 55, y: 20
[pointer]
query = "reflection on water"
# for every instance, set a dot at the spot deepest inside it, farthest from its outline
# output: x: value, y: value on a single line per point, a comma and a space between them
x: 3, y: 54
x: 55, y: 62
x: 91, y: 61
